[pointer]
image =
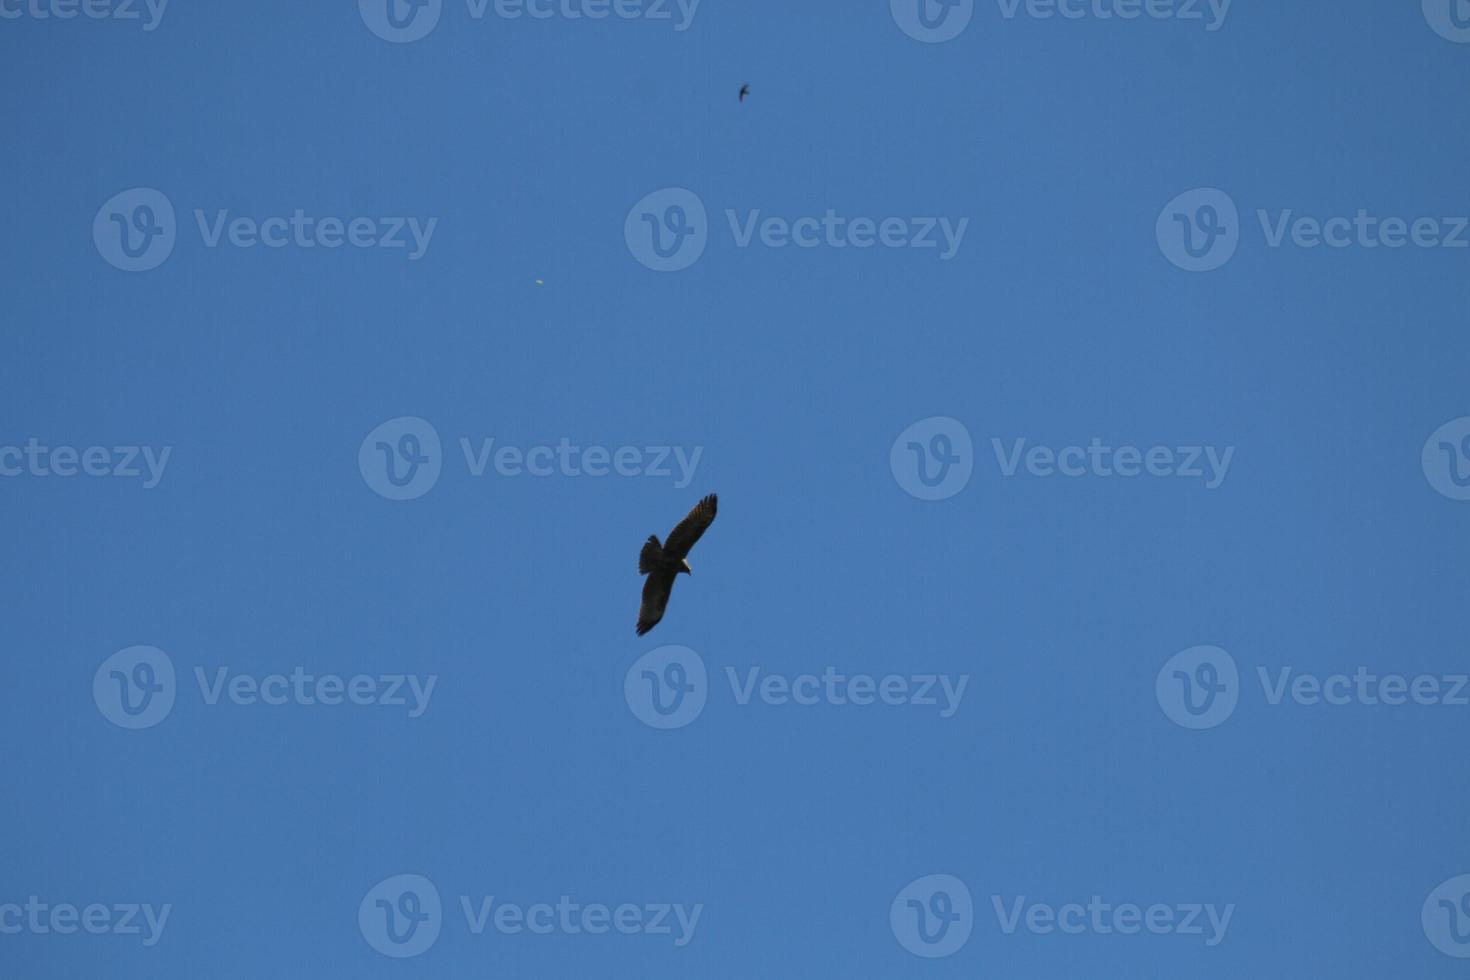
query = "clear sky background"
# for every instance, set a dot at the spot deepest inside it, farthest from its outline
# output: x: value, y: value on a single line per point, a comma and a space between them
x: 1059, y: 320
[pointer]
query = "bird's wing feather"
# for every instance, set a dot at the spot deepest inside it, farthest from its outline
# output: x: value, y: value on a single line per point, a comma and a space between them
x: 682, y: 538
x: 656, y: 590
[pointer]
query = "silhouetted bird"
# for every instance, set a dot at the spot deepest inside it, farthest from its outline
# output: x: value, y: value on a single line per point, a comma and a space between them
x: 744, y: 91
x: 662, y: 564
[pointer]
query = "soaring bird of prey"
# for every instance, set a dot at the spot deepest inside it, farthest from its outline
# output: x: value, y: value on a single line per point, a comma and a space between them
x: 663, y: 563
x: 744, y: 91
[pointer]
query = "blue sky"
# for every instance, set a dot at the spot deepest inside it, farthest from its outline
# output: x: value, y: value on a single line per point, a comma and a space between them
x: 1104, y: 653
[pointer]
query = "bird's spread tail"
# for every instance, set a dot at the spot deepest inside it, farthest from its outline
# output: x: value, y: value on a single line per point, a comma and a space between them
x: 650, y: 556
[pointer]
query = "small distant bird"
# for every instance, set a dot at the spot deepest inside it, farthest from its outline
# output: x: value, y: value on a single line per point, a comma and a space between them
x: 663, y: 563
x: 744, y: 91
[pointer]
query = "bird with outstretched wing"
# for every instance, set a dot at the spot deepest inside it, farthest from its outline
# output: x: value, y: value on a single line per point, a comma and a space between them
x: 663, y: 563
